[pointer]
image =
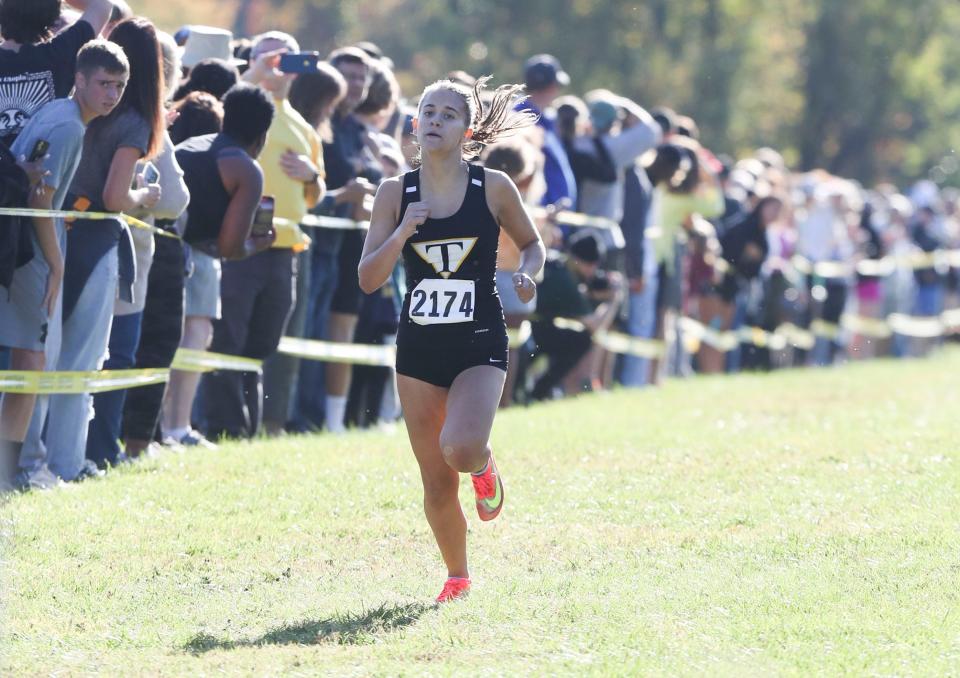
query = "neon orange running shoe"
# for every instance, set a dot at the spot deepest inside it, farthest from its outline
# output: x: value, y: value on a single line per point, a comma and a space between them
x: 489, y: 490
x: 454, y: 588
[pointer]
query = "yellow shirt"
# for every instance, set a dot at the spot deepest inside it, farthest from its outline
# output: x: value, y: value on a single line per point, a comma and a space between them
x: 289, y: 131
x: 674, y: 208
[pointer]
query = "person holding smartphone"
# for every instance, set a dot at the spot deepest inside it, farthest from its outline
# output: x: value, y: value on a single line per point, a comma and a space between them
x: 131, y: 326
x: 30, y: 316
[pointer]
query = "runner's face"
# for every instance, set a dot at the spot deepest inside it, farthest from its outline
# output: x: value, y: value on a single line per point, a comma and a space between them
x: 441, y: 123
x: 100, y: 92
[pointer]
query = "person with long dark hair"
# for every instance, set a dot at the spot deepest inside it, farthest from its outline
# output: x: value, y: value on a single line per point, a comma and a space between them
x: 135, y: 333
x: 744, y: 247
x: 444, y: 219
x: 99, y: 261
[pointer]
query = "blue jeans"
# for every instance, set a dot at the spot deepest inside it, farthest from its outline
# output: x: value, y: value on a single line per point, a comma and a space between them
x: 642, y: 317
x: 929, y: 301
x: 310, y: 403
x: 103, y: 434
x: 86, y: 334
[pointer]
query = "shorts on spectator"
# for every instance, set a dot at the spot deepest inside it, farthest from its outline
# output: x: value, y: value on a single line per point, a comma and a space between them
x: 348, y: 296
x: 203, y: 286
x: 23, y: 319
x: 669, y: 289
x: 508, y: 296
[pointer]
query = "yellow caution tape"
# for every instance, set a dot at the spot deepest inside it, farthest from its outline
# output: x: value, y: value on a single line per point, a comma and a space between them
x: 335, y: 352
x: 617, y: 342
x: 867, y: 327
x: 315, y: 221
x: 797, y: 336
x: 97, y: 216
x: 79, y: 382
x: 191, y: 360
x: 911, y: 326
x: 517, y: 337
x: 693, y: 333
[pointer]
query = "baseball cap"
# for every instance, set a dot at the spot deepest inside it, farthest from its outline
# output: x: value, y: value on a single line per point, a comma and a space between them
x: 585, y: 247
x: 602, y: 114
x: 543, y: 70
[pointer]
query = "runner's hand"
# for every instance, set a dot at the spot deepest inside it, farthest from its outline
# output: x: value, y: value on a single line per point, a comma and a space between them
x: 416, y: 214
x: 524, y: 286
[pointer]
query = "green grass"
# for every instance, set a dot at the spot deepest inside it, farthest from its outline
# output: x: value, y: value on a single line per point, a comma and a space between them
x: 799, y: 523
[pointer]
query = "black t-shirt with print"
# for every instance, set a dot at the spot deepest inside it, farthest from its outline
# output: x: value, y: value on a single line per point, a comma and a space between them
x: 36, y: 75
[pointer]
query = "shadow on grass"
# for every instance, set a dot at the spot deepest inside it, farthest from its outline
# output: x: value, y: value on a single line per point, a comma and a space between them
x: 355, y: 628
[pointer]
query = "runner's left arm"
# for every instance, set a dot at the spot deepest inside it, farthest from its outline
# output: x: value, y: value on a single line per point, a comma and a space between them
x: 515, y: 220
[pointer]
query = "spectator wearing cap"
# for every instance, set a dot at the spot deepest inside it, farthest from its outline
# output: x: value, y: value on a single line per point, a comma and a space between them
x: 258, y: 293
x: 624, y: 140
x: 35, y: 69
x: 207, y: 42
x: 562, y: 294
x: 544, y: 78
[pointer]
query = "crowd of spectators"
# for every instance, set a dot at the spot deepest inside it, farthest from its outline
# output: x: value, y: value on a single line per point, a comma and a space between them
x: 232, y: 153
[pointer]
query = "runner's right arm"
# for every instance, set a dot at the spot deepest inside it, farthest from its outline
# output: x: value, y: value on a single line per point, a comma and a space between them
x: 385, y: 240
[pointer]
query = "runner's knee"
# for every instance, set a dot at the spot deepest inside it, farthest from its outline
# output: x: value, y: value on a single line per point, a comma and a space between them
x: 464, y: 454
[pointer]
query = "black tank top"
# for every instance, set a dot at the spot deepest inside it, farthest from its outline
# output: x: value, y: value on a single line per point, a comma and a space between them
x: 197, y: 158
x: 450, y: 267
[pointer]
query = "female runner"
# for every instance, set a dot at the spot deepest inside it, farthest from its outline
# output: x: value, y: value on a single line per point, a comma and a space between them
x: 445, y: 219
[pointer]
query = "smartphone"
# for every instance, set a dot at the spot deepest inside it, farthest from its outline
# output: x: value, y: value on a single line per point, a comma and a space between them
x: 151, y: 174
x: 299, y: 62
x: 39, y: 150
x: 263, y: 217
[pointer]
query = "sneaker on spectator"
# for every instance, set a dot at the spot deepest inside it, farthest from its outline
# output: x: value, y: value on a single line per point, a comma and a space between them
x: 89, y: 470
x: 40, y: 479
x: 194, y: 438
x: 171, y: 443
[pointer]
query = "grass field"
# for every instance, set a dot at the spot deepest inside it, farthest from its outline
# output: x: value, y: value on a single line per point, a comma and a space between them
x: 800, y: 523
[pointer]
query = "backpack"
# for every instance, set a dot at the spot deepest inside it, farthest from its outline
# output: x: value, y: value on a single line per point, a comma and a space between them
x: 16, y: 247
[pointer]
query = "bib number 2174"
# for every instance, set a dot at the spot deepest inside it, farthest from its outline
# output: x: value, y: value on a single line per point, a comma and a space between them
x: 441, y: 302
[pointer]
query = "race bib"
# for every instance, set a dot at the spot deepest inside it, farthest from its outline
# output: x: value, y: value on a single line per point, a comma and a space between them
x: 442, y: 302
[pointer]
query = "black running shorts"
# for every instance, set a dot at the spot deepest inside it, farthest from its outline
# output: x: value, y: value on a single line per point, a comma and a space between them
x: 440, y: 366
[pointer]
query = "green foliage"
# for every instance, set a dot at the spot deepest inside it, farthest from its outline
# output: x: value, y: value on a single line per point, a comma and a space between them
x: 796, y: 523
x: 870, y: 89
